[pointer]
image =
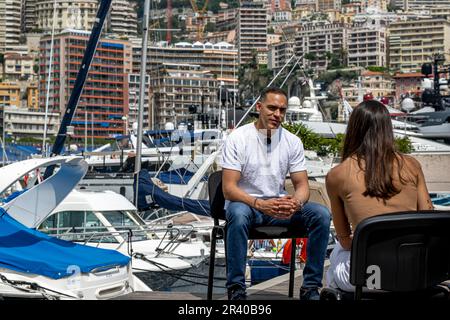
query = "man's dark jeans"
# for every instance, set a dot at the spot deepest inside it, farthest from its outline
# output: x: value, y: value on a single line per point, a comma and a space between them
x: 313, y: 218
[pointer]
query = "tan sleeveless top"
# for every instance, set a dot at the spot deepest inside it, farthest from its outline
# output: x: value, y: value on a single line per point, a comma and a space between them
x: 358, y: 207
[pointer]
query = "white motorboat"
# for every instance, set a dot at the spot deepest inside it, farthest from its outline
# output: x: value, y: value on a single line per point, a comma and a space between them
x: 34, y: 265
x: 105, y: 219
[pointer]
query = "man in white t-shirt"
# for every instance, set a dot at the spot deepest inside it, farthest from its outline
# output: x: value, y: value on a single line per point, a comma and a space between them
x: 256, y: 159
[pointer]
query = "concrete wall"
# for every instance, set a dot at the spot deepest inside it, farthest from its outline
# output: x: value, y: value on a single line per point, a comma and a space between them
x: 436, y: 168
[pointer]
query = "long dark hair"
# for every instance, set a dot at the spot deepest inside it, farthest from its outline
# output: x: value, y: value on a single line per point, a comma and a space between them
x: 370, y: 138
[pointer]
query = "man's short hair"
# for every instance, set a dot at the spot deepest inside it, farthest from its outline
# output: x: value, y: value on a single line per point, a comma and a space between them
x: 274, y: 90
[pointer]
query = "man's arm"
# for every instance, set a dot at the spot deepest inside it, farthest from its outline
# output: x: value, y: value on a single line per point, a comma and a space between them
x: 301, y: 186
x: 273, y: 207
x: 231, y: 191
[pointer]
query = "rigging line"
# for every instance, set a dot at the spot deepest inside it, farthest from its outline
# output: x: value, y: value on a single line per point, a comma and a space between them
x: 50, y: 69
x: 184, y: 279
x: 287, y: 77
x: 256, y: 100
x: 15, y: 284
x: 304, y: 75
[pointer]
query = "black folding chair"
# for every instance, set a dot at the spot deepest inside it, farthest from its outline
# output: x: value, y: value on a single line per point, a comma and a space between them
x: 217, y: 202
x: 410, y: 251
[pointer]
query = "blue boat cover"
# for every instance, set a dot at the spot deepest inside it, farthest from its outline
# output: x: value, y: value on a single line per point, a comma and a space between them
x: 30, y: 251
x: 177, y: 176
x: 149, y: 194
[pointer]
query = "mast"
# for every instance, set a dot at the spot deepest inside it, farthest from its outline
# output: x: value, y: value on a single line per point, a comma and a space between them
x: 80, y: 81
x: 137, y: 163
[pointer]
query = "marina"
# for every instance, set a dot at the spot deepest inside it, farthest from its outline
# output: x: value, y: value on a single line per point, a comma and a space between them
x: 132, y: 214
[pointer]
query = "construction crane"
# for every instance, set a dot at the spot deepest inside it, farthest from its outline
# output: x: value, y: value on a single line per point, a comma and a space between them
x: 201, y: 16
x: 169, y: 21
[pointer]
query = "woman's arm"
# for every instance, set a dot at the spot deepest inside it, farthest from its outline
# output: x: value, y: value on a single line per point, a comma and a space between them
x: 423, y: 197
x: 340, y: 221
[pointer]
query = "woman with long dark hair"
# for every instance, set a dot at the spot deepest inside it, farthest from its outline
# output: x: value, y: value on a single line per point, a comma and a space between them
x: 373, y: 178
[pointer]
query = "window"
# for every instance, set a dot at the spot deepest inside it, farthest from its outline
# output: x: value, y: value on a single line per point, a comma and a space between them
x: 76, y: 226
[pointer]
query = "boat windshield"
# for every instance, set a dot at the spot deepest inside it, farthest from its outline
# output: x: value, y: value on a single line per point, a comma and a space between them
x: 125, y: 220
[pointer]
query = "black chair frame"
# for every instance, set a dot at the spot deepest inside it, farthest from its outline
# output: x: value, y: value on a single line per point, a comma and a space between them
x: 411, y: 250
x: 219, y: 231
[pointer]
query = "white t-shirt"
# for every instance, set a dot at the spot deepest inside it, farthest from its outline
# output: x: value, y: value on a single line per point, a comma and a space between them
x: 263, y: 165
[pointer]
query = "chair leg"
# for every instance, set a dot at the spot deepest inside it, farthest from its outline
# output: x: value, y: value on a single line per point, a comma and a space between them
x: 358, y: 292
x: 212, y: 259
x: 292, y: 268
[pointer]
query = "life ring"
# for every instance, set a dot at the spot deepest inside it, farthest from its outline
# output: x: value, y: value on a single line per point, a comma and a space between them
x: 286, y: 257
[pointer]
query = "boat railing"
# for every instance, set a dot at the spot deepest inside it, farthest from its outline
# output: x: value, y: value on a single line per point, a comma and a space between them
x: 170, y: 236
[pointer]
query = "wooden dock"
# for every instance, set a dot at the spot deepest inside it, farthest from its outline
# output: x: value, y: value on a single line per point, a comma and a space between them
x: 273, y: 289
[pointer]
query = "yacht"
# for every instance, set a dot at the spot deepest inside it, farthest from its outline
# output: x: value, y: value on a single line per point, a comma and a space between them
x: 34, y: 265
x: 105, y: 219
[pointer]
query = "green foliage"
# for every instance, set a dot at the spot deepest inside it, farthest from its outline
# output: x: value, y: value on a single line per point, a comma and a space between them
x: 329, y: 77
x: 376, y: 69
x: 310, y: 56
x: 210, y: 27
x: 404, y: 145
x: 313, y: 141
x: 324, y: 146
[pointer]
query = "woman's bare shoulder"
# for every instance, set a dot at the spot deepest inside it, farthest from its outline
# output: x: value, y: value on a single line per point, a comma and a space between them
x: 412, y: 162
x: 337, y: 173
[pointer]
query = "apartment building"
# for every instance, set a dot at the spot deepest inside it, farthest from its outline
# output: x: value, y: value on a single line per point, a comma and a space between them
x: 408, y: 84
x: 28, y: 23
x: 323, y: 5
x: 122, y: 18
x: 377, y: 83
x: 25, y: 123
x: 413, y: 42
x: 414, y: 4
x: 315, y: 41
x: 32, y: 95
x: 279, y: 54
x: 10, y: 17
x: 366, y: 46
x: 105, y: 95
x: 9, y: 94
x: 18, y: 67
x: 221, y: 59
x: 79, y: 14
x: 251, y: 34
x: 181, y: 92
x: 134, y: 82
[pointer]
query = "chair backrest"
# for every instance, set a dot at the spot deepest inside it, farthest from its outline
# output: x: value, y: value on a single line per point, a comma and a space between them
x: 216, y: 198
x: 409, y: 250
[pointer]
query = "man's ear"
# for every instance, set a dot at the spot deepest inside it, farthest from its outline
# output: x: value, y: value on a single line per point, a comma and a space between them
x: 258, y: 106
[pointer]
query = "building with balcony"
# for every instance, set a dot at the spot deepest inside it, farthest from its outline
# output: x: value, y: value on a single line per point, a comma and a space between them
x: 79, y: 14
x: 184, y: 93
x: 105, y: 95
x: 414, y: 4
x: 29, y: 20
x: 221, y: 59
x: 279, y: 54
x: 122, y: 18
x: 133, y: 96
x: 377, y: 83
x: 408, y: 84
x: 366, y: 46
x: 10, y: 17
x: 18, y: 67
x: 251, y: 35
x: 26, y: 123
x: 413, y: 42
x: 316, y: 41
x: 32, y: 96
x: 10, y: 94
